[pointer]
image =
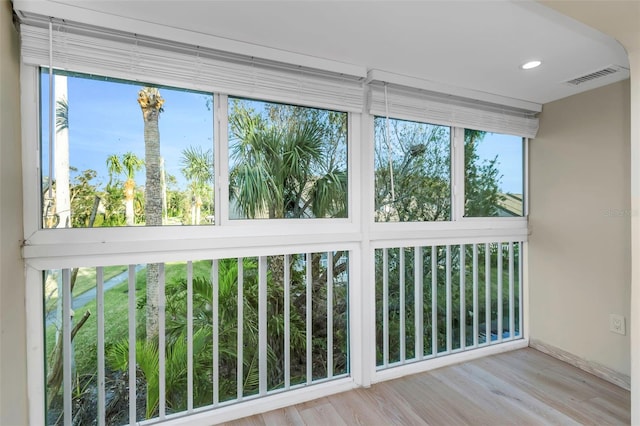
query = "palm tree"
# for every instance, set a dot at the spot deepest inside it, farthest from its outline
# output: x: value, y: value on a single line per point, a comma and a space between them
x: 114, y: 167
x: 197, y: 167
x: 129, y: 163
x: 132, y: 164
x: 282, y: 170
x: 151, y: 103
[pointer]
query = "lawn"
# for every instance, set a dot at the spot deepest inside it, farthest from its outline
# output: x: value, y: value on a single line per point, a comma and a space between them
x: 116, y: 314
x: 85, y: 281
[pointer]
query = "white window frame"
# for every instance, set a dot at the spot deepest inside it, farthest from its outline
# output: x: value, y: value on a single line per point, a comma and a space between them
x: 459, y: 164
x: 56, y: 243
x: 223, y: 189
x: 459, y: 226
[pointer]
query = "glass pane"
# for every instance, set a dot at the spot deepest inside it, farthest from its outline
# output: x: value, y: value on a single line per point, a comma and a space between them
x: 494, y: 174
x: 286, y: 161
x: 121, y: 159
x: 412, y: 171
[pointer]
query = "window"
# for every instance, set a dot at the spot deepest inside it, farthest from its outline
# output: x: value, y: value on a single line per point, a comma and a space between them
x: 119, y: 159
x: 494, y: 174
x: 412, y: 171
x: 116, y: 161
x: 286, y: 161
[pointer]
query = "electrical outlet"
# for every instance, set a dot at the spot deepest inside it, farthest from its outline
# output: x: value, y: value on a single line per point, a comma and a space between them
x: 616, y: 324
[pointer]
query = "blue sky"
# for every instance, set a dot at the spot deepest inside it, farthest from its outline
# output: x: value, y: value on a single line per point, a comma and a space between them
x: 509, y: 151
x: 105, y: 119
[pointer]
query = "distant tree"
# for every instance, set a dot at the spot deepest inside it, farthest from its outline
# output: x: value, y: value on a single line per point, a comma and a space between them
x: 128, y: 163
x: 83, y: 198
x: 420, y: 166
x: 197, y: 167
x: 482, y: 179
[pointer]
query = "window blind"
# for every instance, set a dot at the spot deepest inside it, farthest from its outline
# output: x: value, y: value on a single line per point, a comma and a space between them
x: 437, y: 108
x: 93, y: 50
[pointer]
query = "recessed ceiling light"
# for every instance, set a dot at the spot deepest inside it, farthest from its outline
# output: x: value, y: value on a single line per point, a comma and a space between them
x: 531, y: 64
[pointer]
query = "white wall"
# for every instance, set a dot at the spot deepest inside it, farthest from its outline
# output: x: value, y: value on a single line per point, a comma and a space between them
x: 580, y: 219
x: 13, y: 374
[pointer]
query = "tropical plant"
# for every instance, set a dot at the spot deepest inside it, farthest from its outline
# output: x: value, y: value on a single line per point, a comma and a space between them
x: 282, y: 168
x: 84, y: 199
x: 226, y: 300
x: 291, y: 162
x: 197, y: 167
x: 128, y: 163
x: 177, y: 202
x: 176, y: 366
x: 62, y: 115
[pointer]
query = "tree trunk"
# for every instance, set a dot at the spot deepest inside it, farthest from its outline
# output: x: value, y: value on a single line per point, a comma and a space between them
x: 151, y: 103
x: 153, y: 274
x: 198, y: 209
x: 61, y: 166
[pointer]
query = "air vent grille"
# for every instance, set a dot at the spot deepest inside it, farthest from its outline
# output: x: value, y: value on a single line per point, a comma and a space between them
x: 594, y: 75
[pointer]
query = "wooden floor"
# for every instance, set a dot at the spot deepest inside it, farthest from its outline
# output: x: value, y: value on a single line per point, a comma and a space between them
x: 524, y: 387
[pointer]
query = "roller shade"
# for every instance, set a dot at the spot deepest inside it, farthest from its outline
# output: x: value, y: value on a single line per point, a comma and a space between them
x: 93, y: 50
x: 437, y: 108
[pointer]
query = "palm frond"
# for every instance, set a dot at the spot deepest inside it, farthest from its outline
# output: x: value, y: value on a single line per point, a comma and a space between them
x: 197, y: 164
x: 62, y: 115
x: 329, y: 195
x: 131, y: 163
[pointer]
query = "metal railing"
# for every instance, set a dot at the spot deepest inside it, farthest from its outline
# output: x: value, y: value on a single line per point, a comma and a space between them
x: 231, y: 330
x: 442, y: 299
x: 227, y: 330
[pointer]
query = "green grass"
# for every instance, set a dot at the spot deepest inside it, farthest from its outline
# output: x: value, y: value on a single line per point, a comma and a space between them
x: 85, y: 281
x: 178, y: 270
x: 115, y: 312
x: 116, y: 320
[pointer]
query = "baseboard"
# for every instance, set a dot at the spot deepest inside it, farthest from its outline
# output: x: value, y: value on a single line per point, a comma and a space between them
x: 591, y: 367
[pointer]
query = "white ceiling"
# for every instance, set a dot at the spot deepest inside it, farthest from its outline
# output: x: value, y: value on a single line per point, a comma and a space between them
x: 470, y: 45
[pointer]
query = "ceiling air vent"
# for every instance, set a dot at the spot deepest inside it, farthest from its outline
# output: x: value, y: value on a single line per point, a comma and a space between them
x: 611, y: 69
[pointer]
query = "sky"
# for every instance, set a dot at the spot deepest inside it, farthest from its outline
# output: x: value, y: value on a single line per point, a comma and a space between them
x: 510, y: 162
x: 105, y: 119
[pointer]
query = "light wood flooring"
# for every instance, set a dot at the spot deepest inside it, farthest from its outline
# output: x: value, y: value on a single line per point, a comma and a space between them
x: 524, y: 387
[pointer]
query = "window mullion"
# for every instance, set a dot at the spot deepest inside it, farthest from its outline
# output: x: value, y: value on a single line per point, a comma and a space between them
x: 525, y: 168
